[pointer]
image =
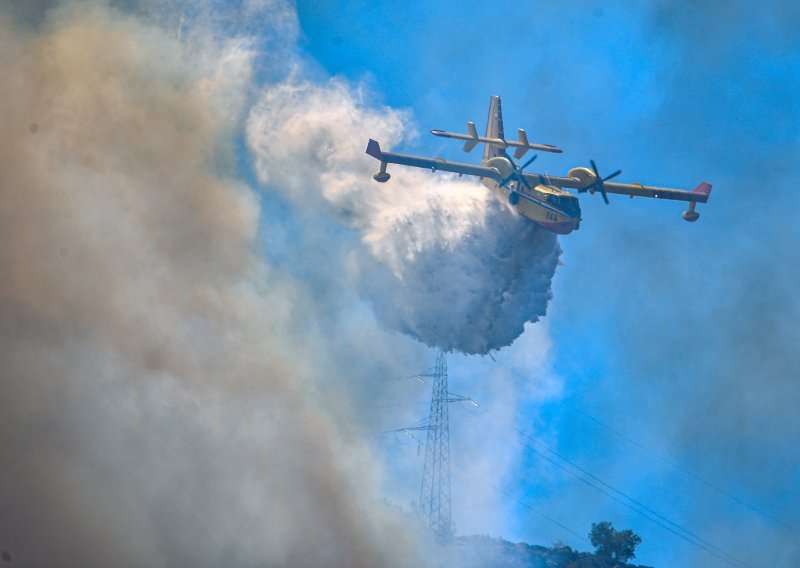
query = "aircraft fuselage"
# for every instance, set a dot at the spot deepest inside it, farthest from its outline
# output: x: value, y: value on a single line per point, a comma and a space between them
x: 548, y: 206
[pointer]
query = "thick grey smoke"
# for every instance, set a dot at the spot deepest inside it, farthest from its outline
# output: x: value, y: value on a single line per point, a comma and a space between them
x: 443, y: 260
x: 156, y: 400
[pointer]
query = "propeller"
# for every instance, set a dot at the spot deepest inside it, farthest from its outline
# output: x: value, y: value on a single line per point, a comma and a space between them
x: 599, y: 182
x: 529, y: 162
x: 517, y: 173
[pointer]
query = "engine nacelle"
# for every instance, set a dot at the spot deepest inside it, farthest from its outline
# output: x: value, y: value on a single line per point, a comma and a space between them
x: 502, y: 165
x: 584, y: 175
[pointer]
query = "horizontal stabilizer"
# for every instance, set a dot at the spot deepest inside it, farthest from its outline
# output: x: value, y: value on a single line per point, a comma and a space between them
x: 471, y: 139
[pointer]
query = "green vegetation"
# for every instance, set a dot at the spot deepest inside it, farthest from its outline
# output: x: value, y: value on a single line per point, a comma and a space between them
x: 488, y: 552
x: 613, y: 544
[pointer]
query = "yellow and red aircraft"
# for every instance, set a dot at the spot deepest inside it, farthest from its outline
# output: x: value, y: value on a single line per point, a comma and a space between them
x: 541, y: 198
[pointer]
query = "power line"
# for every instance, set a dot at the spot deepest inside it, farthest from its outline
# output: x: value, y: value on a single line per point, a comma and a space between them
x: 683, y: 470
x: 666, y: 460
x: 432, y: 497
x: 372, y: 379
x: 623, y: 499
x: 544, y: 516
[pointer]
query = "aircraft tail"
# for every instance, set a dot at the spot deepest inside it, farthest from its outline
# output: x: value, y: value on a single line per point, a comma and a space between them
x: 494, y: 128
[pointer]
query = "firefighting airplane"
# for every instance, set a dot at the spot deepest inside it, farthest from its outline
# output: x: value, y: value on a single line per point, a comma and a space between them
x: 539, y: 197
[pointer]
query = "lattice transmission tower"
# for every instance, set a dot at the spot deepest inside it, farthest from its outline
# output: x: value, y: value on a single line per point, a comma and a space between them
x: 434, y: 495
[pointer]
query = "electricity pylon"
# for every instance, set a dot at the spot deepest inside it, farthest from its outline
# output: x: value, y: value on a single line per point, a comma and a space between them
x: 434, y: 496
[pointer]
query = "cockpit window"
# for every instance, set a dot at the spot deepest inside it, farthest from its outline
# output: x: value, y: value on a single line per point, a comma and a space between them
x: 566, y: 202
x: 569, y: 205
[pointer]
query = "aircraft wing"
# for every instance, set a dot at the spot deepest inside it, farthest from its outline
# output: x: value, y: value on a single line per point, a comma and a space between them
x: 699, y: 194
x: 578, y: 178
x: 433, y: 164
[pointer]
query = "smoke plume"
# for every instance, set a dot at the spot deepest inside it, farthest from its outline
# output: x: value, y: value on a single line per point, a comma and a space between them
x: 150, y: 412
x: 168, y: 394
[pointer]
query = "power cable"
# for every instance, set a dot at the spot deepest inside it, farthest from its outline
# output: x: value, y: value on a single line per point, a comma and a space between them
x: 620, y: 497
x: 666, y: 460
x: 527, y: 506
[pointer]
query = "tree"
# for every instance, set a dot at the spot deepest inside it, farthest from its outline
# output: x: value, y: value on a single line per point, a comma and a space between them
x: 613, y: 544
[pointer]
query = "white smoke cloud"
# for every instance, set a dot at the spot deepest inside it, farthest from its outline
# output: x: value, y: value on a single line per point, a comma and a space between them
x: 444, y: 261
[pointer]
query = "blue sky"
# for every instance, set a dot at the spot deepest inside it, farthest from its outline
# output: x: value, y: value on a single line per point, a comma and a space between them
x: 677, y: 336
